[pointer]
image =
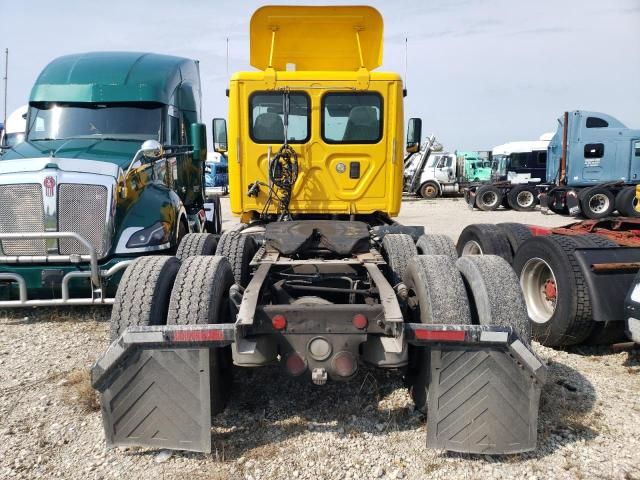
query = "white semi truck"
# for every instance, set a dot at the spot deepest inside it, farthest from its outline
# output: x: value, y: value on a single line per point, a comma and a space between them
x: 15, y: 128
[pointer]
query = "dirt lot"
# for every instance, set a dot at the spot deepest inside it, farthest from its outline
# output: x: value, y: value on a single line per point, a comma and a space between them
x: 279, y: 428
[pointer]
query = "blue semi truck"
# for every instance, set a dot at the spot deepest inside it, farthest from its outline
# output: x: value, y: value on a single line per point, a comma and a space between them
x: 592, y: 166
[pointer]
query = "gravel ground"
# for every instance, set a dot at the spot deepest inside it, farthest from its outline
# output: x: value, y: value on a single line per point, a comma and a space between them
x: 277, y: 427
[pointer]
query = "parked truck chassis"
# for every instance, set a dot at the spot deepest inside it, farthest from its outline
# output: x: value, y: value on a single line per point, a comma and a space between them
x: 575, y: 278
x: 483, y: 380
x: 317, y: 278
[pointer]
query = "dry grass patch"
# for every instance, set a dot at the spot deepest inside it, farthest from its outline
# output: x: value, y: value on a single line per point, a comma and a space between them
x: 80, y: 392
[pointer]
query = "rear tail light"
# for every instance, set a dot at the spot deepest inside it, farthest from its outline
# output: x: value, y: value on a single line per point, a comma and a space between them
x: 296, y: 364
x: 360, y: 321
x: 344, y: 364
x: 279, y: 322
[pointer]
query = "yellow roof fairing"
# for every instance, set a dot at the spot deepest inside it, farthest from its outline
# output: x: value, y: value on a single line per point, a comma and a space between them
x: 316, y: 38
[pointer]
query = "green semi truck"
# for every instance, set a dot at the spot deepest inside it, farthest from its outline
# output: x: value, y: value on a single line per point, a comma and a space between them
x: 112, y: 168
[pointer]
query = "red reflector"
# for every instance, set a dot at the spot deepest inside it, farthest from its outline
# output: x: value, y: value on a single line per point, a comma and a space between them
x: 440, y: 335
x: 344, y: 364
x: 296, y: 365
x: 360, y: 321
x: 279, y: 322
x: 197, y: 335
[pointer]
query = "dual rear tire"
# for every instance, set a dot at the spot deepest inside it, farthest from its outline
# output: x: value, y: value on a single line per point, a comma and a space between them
x: 556, y: 291
x: 471, y: 290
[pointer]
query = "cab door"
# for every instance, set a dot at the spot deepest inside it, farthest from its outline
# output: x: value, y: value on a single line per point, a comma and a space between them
x: 634, y: 174
x: 263, y: 124
x: 350, y: 162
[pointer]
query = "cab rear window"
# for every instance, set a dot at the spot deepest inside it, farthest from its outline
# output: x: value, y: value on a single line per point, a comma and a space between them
x: 351, y: 117
x: 267, y: 117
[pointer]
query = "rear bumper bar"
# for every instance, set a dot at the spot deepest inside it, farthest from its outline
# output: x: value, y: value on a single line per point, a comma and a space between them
x: 94, y: 274
x: 221, y: 335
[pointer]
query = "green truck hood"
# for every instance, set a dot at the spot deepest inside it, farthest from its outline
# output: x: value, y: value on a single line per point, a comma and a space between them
x: 119, y: 152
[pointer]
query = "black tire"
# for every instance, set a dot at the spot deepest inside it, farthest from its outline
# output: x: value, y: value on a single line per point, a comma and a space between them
x: 488, y: 198
x: 197, y: 244
x: 563, y: 316
x: 429, y: 190
x: 516, y: 234
x: 182, y: 232
x: 398, y: 249
x: 597, y: 202
x: 494, y: 293
x: 143, y: 293
x: 439, y: 297
x: 239, y: 250
x: 484, y: 239
x: 593, y: 240
x: 626, y: 202
x: 200, y: 296
x: 523, y: 198
x: 436, y: 245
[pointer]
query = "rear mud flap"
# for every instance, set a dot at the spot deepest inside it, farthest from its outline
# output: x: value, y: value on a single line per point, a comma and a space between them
x: 160, y: 399
x: 481, y: 401
x: 470, y: 198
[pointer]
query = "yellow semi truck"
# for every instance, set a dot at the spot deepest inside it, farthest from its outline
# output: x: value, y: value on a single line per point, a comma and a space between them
x: 317, y: 277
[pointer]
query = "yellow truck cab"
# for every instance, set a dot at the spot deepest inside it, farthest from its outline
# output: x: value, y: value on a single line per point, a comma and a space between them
x: 316, y: 278
x: 345, y: 121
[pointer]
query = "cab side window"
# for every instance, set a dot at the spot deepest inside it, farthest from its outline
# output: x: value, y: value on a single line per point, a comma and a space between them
x: 595, y: 122
x: 175, y: 127
x: 352, y: 117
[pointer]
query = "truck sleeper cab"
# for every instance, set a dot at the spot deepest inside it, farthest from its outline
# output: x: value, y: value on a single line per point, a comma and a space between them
x: 317, y: 278
x: 111, y: 169
x: 594, y: 166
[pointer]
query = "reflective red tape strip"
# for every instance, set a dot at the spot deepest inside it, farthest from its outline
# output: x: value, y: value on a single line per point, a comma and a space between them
x: 440, y: 335
x: 197, y: 335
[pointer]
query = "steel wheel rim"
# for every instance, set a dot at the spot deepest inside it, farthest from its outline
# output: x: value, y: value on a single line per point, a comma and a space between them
x: 599, y: 203
x: 525, y: 199
x: 490, y: 195
x: 534, y: 280
x: 429, y: 191
x: 472, y: 248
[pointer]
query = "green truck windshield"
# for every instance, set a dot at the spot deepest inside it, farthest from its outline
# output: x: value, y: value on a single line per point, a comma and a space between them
x: 64, y: 121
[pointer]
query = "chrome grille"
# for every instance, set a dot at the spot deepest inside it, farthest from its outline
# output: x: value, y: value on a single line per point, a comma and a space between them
x: 82, y: 209
x: 21, y: 210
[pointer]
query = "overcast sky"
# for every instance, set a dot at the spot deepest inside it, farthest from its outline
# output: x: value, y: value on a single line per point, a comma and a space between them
x: 480, y: 73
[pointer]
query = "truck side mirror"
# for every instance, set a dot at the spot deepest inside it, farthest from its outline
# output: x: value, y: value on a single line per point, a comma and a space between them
x: 219, y: 135
x: 414, y: 134
x: 199, y: 141
x: 151, y: 149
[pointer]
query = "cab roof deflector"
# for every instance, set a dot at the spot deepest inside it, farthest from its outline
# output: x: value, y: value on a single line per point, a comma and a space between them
x: 343, y: 38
